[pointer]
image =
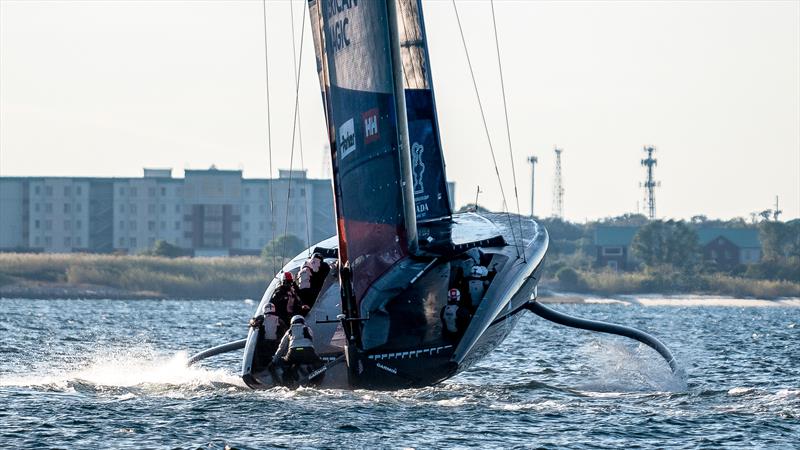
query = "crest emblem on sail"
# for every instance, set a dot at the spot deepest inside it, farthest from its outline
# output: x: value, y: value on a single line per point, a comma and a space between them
x: 430, y: 183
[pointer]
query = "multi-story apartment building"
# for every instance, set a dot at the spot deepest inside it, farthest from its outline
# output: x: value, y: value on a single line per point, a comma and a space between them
x: 212, y: 212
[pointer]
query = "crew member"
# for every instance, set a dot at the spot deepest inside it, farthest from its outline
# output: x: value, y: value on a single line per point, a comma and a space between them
x: 286, y: 300
x: 455, y: 318
x: 312, y: 276
x: 297, y: 345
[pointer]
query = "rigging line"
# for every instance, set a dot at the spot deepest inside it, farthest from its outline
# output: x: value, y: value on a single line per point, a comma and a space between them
x: 294, y: 132
x: 485, y: 126
x: 299, y: 121
x: 269, y: 134
x: 508, y: 127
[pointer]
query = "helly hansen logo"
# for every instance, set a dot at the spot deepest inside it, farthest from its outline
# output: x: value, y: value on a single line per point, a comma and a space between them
x: 371, y: 133
x: 347, y: 139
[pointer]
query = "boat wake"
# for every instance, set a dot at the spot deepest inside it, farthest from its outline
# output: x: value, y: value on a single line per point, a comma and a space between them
x: 128, y: 373
x: 614, y: 367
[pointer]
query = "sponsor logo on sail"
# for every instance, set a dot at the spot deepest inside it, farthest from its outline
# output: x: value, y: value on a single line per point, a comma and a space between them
x: 417, y: 167
x: 347, y: 139
x: 339, y: 28
x: 371, y: 133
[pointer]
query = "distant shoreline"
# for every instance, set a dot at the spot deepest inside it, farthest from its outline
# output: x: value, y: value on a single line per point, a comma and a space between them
x: 119, y: 277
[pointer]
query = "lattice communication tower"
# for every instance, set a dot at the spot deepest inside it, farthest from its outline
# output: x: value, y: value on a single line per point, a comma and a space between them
x: 558, y: 187
x: 650, y: 184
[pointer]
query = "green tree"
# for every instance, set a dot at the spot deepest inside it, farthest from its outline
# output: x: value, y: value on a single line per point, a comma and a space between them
x: 780, y: 240
x: 285, y: 246
x: 671, y: 242
x: 167, y: 250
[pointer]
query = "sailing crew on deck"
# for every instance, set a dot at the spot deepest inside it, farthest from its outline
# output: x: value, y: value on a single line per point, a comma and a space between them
x: 477, y: 285
x: 286, y: 299
x: 312, y: 276
x: 297, y: 345
x: 455, y: 317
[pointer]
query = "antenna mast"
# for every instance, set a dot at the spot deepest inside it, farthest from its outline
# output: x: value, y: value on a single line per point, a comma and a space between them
x: 558, y: 187
x: 650, y: 184
x: 533, y: 160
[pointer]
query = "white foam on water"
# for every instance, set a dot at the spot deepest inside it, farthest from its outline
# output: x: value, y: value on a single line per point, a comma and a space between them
x: 605, y: 301
x: 617, y: 368
x: 124, y: 369
x: 740, y: 391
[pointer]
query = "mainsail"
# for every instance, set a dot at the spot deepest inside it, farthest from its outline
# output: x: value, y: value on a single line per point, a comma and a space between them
x: 371, y: 167
x: 430, y: 183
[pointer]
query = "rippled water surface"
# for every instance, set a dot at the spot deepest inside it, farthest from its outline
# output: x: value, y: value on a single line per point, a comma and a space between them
x: 81, y: 373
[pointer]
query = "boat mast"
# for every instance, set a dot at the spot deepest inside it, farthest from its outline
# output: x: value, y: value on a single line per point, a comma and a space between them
x: 406, y: 182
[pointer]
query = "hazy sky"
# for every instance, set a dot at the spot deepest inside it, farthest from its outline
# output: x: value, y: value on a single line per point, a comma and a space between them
x: 104, y: 88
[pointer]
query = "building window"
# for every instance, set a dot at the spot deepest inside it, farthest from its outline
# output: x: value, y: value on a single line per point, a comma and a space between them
x: 163, y: 209
x: 48, y: 241
x: 151, y: 209
x: 67, y: 225
x: 151, y: 192
x: 177, y: 225
x: 78, y: 207
x: 247, y: 192
x: 121, y: 242
x: 48, y: 225
x: 246, y: 243
x: 163, y: 191
x: 163, y: 225
x: 37, y: 190
x: 121, y: 224
x: 151, y: 242
x: 67, y: 191
x: 133, y: 192
x: 48, y: 191
x: 132, y: 208
x: 178, y: 209
x: 36, y: 224
x: 132, y: 225
x: 78, y: 190
x: 133, y: 242
x: 151, y: 225
x: 302, y: 192
x: 48, y: 207
x: 68, y: 241
x: 78, y: 224
x: 66, y: 207
x: 612, y: 251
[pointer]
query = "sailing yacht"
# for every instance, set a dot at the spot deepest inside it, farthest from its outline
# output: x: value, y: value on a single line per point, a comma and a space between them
x: 399, y: 247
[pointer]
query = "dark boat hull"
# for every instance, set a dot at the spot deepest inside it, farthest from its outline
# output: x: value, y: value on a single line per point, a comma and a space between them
x: 403, y: 345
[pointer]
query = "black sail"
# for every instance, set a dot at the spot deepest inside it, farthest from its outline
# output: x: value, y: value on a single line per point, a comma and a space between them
x: 376, y: 224
x: 430, y: 182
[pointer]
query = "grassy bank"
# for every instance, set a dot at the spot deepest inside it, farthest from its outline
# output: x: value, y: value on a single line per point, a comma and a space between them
x: 674, y: 282
x: 139, y: 276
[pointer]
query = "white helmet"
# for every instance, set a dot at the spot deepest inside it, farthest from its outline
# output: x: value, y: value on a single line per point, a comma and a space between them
x: 269, y: 308
x: 298, y: 319
x: 479, y: 271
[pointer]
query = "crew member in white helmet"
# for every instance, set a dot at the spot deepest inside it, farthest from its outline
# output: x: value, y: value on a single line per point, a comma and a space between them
x: 297, y: 345
x: 455, y: 318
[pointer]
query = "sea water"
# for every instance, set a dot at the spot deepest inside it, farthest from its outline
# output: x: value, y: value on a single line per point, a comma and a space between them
x: 111, y: 374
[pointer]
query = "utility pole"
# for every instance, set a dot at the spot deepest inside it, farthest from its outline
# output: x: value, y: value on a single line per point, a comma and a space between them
x: 650, y: 184
x: 776, y: 212
x: 558, y: 187
x: 533, y: 160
